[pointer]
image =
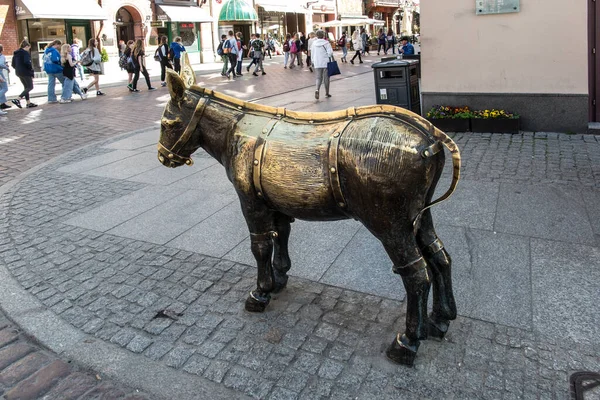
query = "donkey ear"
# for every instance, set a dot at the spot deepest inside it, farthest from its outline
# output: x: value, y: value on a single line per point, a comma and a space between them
x: 176, y: 85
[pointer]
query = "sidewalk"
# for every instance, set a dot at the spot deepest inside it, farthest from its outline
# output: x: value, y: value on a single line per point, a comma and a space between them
x: 90, y: 269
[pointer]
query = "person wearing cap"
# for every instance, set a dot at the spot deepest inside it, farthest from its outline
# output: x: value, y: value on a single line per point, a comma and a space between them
x: 406, y: 48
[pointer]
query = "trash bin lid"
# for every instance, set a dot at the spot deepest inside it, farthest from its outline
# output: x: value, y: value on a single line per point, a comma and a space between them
x: 394, y: 63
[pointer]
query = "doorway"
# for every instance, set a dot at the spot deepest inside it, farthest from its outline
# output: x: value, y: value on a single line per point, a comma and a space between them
x: 245, y: 29
x: 594, y: 60
x: 124, y: 23
x: 80, y: 30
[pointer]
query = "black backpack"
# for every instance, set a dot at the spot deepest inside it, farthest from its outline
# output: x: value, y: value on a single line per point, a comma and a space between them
x: 220, y: 49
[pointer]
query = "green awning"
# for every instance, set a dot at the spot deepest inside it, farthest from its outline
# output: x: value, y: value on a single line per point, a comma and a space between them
x: 237, y: 10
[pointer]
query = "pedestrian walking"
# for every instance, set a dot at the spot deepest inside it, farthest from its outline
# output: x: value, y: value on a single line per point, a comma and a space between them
x: 269, y: 46
x: 381, y: 41
x: 21, y: 62
x: 95, y: 67
x: 69, y: 83
x: 302, y: 47
x: 128, y: 54
x: 251, y: 52
x: 365, y: 39
x: 391, y: 41
x: 240, y: 57
x: 258, y: 47
x: 53, y: 68
x: 4, y: 70
x: 321, y: 52
x: 162, y: 53
x: 76, y: 55
x: 139, y: 65
x: 294, y: 49
x: 224, y: 56
x: 358, y: 46
x: 175, y: 53
x: 231, y: 48
x: 343, y: 44
x: 286, y: 50
x: 311, y: 39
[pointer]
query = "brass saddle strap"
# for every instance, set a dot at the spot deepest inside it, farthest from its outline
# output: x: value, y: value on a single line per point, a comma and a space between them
x: 189, y: 130
x: 334, y: 177
x: 259, y: 152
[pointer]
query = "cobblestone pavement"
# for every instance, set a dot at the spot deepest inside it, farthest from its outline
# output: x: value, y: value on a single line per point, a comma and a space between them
x: 29, y: 372
x: 185, y: 310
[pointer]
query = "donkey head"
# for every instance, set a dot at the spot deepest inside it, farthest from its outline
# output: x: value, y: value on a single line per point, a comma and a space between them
x: 178, y: 140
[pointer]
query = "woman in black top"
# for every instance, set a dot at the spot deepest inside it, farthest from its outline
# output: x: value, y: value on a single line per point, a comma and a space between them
x: 163, y: 54
x: 128, y: 52
x: 139, y: 65
x: 21, y: 62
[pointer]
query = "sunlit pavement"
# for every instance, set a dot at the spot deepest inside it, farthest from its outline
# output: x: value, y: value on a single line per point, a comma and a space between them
x: 97, y: 242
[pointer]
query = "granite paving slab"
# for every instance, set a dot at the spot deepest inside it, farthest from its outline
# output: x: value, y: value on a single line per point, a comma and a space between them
x: 212, y: 178
x: 169, y: 220
x: 591, y: 198
x: 120, y: 210
x: 566, y: 290
x: 127, y: 167
x: 140, y: 140
x: 165, y: 176
x: 97, y: 161
x: 545, y: 212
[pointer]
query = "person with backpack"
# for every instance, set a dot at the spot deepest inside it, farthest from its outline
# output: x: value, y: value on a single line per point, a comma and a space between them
x: 126, y: 62
x: 139, y: 65
x: 224, y: 57
x: 301, y: 49
x: 286, y: 50
x: 258, y: 47
x: 231, y: 49
x: 269, y: 46
x: 240, y: 56
x: 358, y: 46
x: 21, y: 62
x: 92, y: 54
x: 342, y: 43
x: 162, y: 54
x: 365, y: 40
x: 53, y: 68
x: 294, y: 49
x: 321, y: 52
x: 251, y: 52
x: 175, y: 53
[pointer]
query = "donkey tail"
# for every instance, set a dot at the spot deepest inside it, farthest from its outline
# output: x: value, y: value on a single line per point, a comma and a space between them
x: 456, y: 161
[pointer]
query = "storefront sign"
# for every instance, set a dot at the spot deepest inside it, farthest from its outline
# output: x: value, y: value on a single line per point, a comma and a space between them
x: 156, y: 24
x: 484, y: 7
x: 186, y: 25
x: 162, y: 17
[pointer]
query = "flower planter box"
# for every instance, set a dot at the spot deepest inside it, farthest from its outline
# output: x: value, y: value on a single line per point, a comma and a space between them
x: 451, y: 125
x: 495, y: 125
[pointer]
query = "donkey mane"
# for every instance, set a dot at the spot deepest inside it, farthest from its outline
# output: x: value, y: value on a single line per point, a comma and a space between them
x: 330, y: 116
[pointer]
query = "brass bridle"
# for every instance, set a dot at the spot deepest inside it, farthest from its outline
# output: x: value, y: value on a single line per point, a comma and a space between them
x: 171, y: 154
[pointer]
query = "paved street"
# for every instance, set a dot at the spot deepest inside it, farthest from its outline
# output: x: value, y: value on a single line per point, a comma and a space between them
x: 89, y: 270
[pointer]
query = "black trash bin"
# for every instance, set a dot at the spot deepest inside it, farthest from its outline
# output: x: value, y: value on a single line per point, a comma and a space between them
x: 397, y: 84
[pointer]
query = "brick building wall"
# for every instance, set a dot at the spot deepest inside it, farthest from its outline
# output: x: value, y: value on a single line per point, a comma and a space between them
x: 8, y: 27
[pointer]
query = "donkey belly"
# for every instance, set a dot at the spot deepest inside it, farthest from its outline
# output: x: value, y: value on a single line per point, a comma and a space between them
x: 294, y: 173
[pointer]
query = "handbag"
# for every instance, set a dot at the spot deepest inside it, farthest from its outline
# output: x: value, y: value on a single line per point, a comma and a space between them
x: 332, y: 67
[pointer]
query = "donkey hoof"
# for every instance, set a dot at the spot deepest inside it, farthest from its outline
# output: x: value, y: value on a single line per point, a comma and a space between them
x: 280, y: 284
x: 401, y: 351
x: 256, y: 302
x: 438, y: 330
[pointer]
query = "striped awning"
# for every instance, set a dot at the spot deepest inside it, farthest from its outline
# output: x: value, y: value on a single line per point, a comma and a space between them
x: 237, y: 10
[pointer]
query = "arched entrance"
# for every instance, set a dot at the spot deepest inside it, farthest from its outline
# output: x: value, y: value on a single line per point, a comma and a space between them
x: 128, y: 23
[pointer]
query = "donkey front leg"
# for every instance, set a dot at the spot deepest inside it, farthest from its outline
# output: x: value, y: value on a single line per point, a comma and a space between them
x: 281, y: 258
x: 262, y: 248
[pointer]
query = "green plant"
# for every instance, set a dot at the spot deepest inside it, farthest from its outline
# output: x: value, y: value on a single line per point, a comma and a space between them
x: 494, y: 114
x: 446, y: 112
x: 104, y: 55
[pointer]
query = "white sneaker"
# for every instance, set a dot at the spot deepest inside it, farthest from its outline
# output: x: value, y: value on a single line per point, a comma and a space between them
x: 83, y: 96
x: 63, y: 101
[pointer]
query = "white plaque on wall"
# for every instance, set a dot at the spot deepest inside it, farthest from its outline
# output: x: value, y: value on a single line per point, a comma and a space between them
x: 485, y: 7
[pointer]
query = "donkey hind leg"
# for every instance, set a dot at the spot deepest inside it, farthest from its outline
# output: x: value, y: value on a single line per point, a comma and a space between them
x: 262, y: 235
x: 410, y: 265
x: 281, y: 257
x: 440, y: 263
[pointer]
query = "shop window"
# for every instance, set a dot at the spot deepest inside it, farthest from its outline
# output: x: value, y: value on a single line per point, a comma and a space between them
x: 41, y: 33
x: 187, y: 31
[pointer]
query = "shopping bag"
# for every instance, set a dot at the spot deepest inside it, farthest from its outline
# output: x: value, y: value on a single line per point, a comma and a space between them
x: 332, y: 67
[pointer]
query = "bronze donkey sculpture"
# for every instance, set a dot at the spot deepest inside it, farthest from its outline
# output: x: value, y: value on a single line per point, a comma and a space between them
x: 378, y: 164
